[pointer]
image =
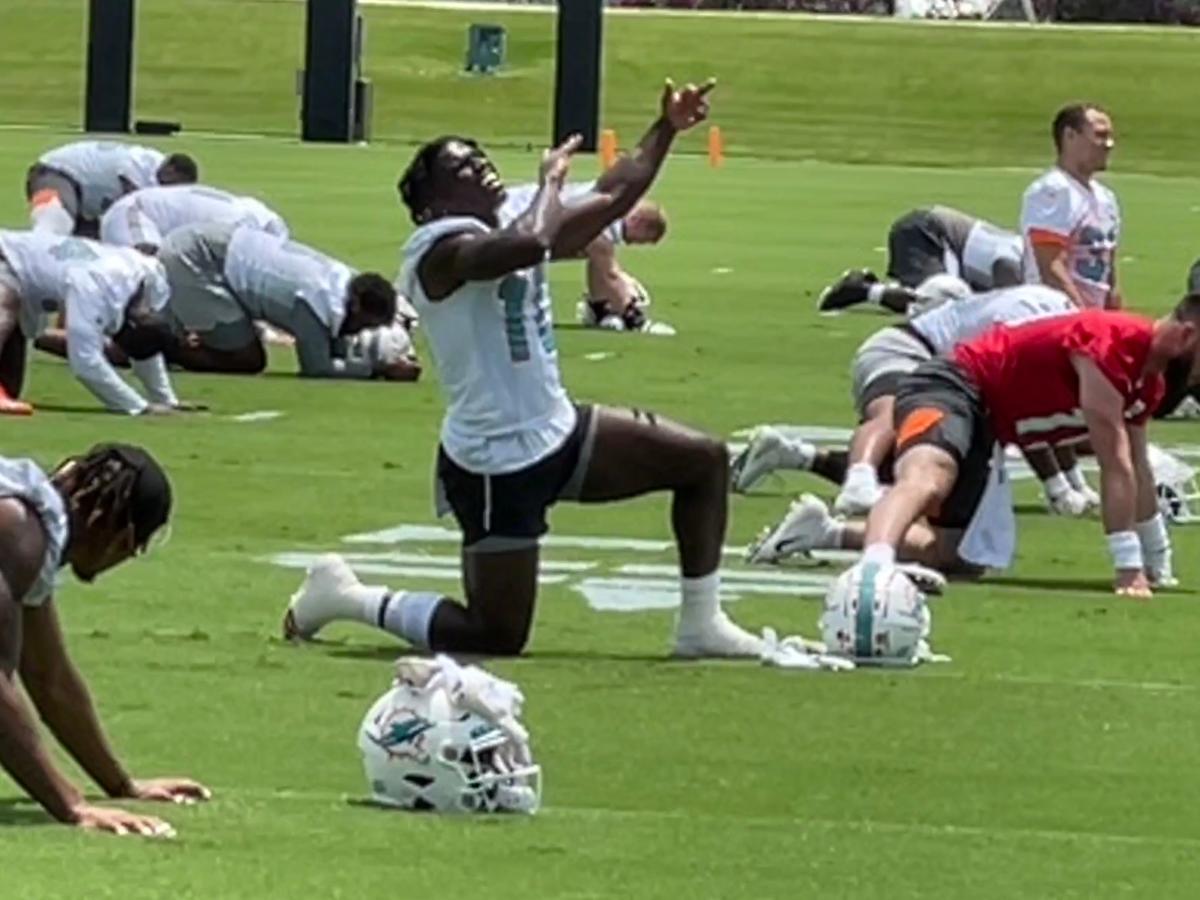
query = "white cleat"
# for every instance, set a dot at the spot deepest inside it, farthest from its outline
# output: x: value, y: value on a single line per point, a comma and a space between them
x: 856, y: 499
x: 1070, y: 503
x: 802, y: 530
x: 325, y: 595
x: 718, y: 638
x: 1089, y: 496
x: 763, y: 455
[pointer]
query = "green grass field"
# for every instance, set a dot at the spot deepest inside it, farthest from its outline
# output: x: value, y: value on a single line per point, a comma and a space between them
x: 1054, y: 756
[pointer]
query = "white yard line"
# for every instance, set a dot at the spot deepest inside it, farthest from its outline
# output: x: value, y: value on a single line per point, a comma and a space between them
x: 932, y: 829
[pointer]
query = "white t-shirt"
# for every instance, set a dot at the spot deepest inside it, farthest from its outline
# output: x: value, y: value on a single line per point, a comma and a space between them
x: 493, y: 345
x: 94, y: 283
x: 98, y: 166
x: 948, y: 325
x: 991, y: 255
x: 1086, y: 220
x: 148, y: 215
x: 24, y: 479
x: 265, y: 271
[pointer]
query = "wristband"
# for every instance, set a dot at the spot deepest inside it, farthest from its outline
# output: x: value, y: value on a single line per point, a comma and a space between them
x: 1126, y: 550
x: 1152, y: 535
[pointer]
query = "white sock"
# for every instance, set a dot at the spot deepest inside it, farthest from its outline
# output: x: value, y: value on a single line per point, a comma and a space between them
x: 880, y: 553
x: 700, y: 599
x: 798, y: 454
x: 875, y: 293
x: 407, y: 614
x: 1075, y: 478
x: 51, y: 217
x: 862, y: 475
x: 835, y: 529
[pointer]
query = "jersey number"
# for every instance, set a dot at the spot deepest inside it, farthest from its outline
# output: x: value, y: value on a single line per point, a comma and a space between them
x: 513, y: 292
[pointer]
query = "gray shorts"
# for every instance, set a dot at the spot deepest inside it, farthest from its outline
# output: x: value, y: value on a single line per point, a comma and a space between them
x: 201, y: 301
x: 881, y: 361
x: 46, y: 178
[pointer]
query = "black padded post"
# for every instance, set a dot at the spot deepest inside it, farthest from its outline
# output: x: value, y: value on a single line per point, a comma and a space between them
x: 330, y: 44
x: 577, y: 78
x: 108, y: 99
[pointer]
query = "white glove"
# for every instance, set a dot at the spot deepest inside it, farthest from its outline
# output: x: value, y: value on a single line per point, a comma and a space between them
x: 796, y: 653
x: 928, y: 581
x: 1069, y: 503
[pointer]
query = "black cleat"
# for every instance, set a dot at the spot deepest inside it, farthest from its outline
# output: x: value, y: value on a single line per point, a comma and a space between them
x: 851, y: 288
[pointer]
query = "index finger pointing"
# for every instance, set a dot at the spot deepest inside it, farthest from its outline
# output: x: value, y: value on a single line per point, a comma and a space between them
x: 707, y: 86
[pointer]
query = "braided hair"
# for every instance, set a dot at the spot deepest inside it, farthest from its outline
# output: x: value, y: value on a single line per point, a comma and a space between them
x: 416, y: 184
x: 117, y: 486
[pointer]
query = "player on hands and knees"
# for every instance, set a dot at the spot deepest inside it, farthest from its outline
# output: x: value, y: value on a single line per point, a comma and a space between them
x: 879, y: 365
x: 226, y: 277
x: 928, y: 242
x: 70, y: 187
x: 108, y: 293
x: 92, y: 513
x: 144, y: 218
x: 1096, y: 375
x: 615, y: 300
x: 512, y: 442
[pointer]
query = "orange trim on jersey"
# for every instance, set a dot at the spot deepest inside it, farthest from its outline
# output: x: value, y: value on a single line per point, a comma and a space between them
x: 44, y: 197
x: 1040, y: 237
x: 916, y: 423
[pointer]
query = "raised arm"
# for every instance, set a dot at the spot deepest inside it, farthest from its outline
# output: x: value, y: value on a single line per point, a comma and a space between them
x: 619, y: 189
x: 483, y: 256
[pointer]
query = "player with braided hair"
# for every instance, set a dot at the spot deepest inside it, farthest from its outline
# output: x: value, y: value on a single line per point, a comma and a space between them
x: 92, y: 513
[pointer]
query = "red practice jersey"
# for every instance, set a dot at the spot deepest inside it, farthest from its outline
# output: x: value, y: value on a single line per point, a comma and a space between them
x: 1030, y: 387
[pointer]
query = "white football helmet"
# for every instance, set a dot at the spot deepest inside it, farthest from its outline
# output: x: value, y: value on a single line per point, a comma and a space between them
x: 446, y: 738
x: 382, y: 346
x: 1175, y: 481
x: 874, y: 614
x: 936, y: 290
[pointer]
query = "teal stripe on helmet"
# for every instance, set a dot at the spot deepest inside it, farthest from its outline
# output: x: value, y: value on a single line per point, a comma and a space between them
x: 864, y: 615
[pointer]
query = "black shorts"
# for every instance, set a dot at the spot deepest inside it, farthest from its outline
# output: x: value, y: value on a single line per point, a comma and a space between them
x: 917, y: 248
x: 940, y: 406
x: 508, y: 512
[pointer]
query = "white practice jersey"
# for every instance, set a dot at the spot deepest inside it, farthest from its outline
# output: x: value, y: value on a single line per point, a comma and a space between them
x: 24, y: 480
x: 99, y: 166
x: 518, y: 199
x: 149, y: 215
x: 493, y: 345
x: 948, y: 325
x: 269, y: 273
x: 991, y: 257
x: 94, y: 284
x: 1085, y: 220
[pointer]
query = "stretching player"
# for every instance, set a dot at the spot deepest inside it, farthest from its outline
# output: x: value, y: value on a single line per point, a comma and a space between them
x: 512, y: 442
x: 614, y: 300
x: 92, y: 513
x: 879, y: 366
x: 225, y: 277
x: 106, y: 292
x: 928, y: 242
x: 69, y: 187
x: 144, y: 218
x: 1096, y: 376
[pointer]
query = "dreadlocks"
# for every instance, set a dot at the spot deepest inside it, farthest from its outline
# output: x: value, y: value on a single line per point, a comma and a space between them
x: 117, y: 486
x: 416, y: 184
